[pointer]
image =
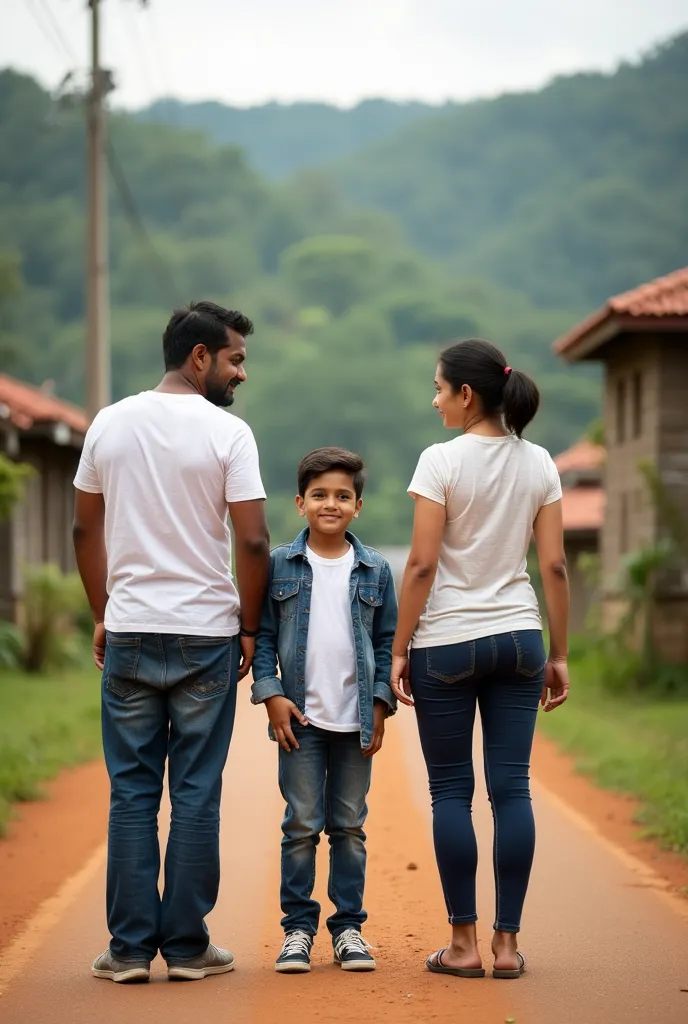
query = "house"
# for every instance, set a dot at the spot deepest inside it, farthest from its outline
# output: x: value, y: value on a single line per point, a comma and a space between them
x: 641, y: 337
x: 47, y: 433
x: 583, y: 503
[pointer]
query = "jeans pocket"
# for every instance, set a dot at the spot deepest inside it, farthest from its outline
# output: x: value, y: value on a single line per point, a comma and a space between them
x: 531, y: 657
x: 122, y: 655
x: 208, y: 661
x: 451, y: 664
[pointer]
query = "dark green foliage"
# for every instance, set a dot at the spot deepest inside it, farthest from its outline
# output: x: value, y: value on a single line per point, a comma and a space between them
x: 349, y: 318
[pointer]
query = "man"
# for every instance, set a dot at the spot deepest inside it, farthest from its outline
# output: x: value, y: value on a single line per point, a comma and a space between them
x: 158, y: 474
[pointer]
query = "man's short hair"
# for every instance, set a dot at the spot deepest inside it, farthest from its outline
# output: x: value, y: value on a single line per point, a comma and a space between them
x: 324, y: 460
x: 200, y: 323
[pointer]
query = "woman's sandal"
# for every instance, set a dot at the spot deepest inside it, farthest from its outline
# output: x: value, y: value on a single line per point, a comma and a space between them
x: 512, y: 974
x: 435, y: 966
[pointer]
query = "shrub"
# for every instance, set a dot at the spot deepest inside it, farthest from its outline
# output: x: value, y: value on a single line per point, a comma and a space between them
x: 11, y: 645
x: 54, y: 607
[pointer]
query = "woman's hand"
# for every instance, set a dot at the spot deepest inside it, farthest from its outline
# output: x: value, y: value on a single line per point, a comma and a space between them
x: 399, y: 679
x: 556, y: 684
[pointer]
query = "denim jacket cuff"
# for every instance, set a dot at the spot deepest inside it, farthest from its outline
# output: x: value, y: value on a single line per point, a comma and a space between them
x: 262, y: 689
x: 383, y: 691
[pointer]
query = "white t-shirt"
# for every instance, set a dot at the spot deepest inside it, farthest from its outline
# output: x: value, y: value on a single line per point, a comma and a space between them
x: 331, y: 686
x: 493, y: 489
x: 167, y: 465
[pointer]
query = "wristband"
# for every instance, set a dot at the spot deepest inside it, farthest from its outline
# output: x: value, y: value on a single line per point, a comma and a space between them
x: 251, y: 634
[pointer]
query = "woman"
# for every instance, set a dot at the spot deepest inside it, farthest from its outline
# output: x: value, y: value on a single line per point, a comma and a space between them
x: 470, y: 617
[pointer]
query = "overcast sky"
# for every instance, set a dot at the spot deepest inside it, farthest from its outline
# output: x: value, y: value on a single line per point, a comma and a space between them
x: 244, y: 52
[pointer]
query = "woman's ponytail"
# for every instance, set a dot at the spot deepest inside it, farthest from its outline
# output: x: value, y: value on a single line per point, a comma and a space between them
x: 520, y: 401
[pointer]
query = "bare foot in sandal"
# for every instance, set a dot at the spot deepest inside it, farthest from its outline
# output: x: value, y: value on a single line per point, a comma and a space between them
x: 462, y: 952
x: 508, y: 962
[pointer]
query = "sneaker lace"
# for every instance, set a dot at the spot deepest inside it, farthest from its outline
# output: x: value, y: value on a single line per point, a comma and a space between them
x: 296, y: 942
x: 351, y: 941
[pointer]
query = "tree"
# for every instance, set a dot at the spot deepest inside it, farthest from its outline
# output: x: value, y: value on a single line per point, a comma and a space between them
x: 335, y: 271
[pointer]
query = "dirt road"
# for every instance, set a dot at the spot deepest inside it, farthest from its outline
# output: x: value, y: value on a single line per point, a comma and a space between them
x: 605, y: 943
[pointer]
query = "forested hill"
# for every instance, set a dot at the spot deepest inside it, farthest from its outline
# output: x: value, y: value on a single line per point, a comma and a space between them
x: 349, y: 317
x: 283, y: 138
x: 570, y: 194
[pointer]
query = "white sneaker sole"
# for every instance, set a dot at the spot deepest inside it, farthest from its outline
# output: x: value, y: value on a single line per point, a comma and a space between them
x: 134, y: 974
x: 357, y: 965
x: 293, y: 968
x: 180, y: 973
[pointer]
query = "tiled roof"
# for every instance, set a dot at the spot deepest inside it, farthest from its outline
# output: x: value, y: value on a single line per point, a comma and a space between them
x: 583, y: 508
x: 665, y: 296
x: 664, y: 299
x: 584, y: 455
x: 23, y: 404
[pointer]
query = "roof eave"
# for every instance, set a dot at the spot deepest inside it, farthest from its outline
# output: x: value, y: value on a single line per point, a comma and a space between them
x: 583, y: 342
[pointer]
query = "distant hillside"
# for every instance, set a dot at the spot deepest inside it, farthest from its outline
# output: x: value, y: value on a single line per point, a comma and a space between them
x: 569, y: 194
x: 281, y: 139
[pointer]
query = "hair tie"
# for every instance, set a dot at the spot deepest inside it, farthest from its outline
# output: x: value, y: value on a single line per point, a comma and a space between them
x: 507, y: 370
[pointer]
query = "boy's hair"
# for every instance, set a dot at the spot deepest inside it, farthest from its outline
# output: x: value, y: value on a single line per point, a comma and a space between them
x: 324, y: 460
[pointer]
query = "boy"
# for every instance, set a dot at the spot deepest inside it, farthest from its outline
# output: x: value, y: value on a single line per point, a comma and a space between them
x: 329, y: 619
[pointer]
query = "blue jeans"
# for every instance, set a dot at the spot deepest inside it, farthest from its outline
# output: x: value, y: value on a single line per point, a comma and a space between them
x: 325, y: 783
x: 504, y: 676
x: 165, y: 699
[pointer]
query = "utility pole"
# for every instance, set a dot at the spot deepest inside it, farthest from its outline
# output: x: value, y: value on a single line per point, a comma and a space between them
x: 97, y: 275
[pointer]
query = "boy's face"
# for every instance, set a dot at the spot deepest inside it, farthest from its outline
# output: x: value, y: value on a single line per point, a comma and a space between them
x: 330, y: 503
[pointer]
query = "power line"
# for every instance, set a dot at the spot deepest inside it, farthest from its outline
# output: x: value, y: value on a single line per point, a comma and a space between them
x: 159, y: 269
x: 158, y: 50
x: 59, y: 35
x: 47, y: 30
x: 133, y: 34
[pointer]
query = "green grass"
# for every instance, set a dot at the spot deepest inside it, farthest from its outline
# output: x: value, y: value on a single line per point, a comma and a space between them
x: 46, y: 723
x: 631, y: 744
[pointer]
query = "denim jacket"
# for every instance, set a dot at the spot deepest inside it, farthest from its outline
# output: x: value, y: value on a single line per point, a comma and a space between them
x: 283, y: 632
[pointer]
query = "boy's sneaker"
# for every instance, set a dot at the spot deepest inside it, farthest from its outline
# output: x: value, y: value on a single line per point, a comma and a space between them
x: 213, y: 961
x: 295, y: 957
x: 107, y: 966
x: 351, y: 951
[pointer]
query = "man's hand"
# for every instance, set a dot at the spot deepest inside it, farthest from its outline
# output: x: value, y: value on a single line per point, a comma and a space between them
x: 99, y: 645
x: 280, y: 711
x: 379, y: 717
x: 248, y: 649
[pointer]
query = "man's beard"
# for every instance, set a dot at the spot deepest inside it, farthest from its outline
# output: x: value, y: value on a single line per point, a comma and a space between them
x: 220, y: 394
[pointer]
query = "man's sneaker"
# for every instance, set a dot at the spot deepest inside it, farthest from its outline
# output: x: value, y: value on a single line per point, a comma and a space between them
x: 107, y: 966
x: 295, y: 957
x: 213, y: 961
x: 351, y: 951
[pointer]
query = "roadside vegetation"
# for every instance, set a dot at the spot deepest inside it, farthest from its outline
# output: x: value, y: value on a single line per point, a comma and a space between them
x: 48, y: 722
x: 634, y: 742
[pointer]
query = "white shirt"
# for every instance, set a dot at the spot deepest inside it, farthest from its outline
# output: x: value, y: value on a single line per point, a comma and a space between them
x: 493, y: 489
x: 331, y: 686
x: 167, y: 465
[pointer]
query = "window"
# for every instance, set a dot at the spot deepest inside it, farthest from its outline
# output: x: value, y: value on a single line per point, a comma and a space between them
x: 623, y: 526
x: 620, y: 412
x: 637, y: 404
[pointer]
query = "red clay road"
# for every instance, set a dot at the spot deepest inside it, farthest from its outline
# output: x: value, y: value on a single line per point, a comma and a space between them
x: 606, y: 942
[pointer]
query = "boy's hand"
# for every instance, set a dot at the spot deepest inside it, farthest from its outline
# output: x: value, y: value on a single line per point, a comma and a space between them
x: 280, y: 711
x: 379, y: 717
